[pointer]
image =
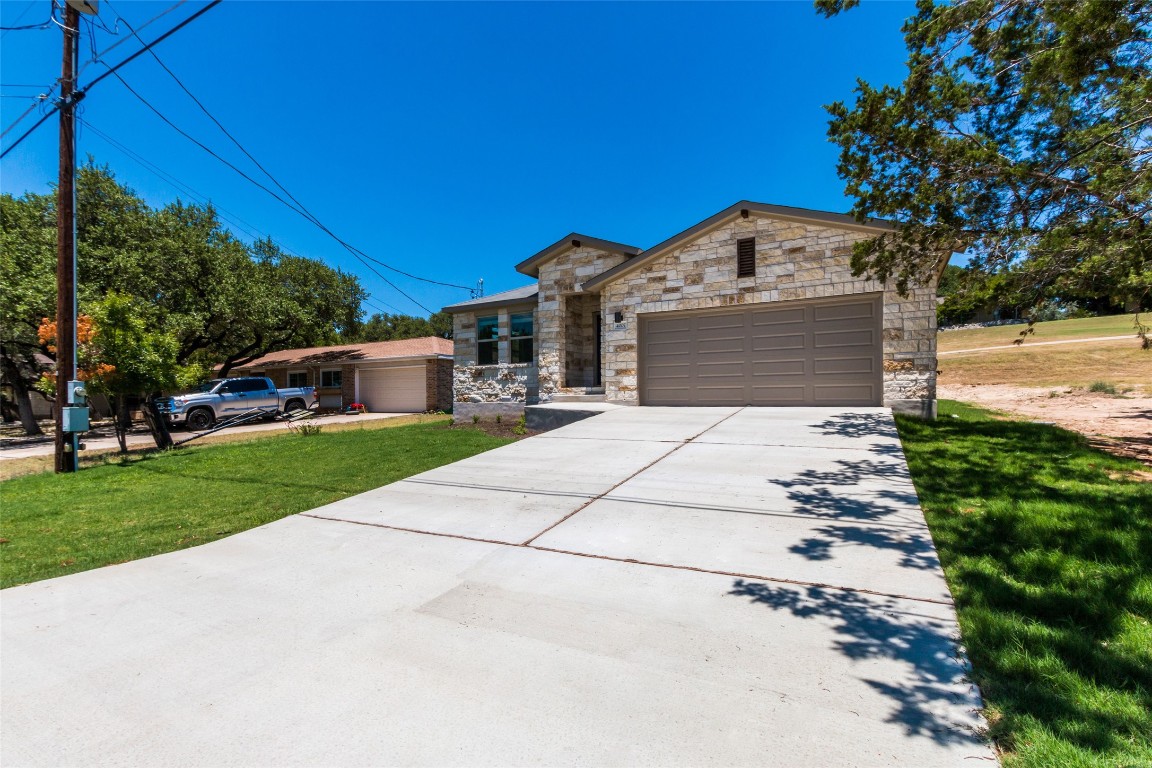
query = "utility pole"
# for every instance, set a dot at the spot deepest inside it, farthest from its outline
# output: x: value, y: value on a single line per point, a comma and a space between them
x: 66, y: 442
x: 69, y: 423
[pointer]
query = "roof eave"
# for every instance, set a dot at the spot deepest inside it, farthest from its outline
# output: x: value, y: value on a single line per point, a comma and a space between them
x: 494, y: 304
x: 799, y: 215
x: 531, y: 265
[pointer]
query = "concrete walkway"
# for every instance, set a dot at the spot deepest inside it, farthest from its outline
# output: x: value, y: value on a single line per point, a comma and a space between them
x: 648, y: 587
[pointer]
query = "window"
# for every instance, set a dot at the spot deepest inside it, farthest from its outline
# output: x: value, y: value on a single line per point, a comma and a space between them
x: 331, y: 378
x: 486, y: 335
x: 521, y: 327
x: 297, y: 379
x: 746, y: 257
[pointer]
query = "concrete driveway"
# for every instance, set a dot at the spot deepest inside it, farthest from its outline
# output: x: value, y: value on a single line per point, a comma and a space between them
x: 648, y: 587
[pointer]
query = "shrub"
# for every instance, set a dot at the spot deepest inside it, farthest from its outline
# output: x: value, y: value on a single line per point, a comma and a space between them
x: 521, y: 427
x: 1103, y: 387
x: 307, y: 430
x: 475, y: 419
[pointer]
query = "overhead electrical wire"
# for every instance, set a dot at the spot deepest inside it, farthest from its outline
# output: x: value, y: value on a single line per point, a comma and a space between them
x: 244, y: 226
x: 79, y: 94
x: 301, y: 208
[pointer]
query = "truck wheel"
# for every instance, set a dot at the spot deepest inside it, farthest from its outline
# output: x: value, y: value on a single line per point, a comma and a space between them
x: 201, y: 419
x: 293, y: 405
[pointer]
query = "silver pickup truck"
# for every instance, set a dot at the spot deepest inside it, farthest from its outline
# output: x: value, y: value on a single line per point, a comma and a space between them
x: 222, y: 399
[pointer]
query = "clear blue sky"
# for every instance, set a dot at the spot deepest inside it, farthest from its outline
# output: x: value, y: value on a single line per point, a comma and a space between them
x: 453, y: 140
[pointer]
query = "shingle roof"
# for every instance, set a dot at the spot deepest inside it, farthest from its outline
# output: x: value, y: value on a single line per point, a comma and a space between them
x: 522, y: 295
x: 531, y: 265
x: 426, y: 346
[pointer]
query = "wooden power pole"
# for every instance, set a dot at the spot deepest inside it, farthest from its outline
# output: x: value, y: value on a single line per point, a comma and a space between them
x: 67, y: 443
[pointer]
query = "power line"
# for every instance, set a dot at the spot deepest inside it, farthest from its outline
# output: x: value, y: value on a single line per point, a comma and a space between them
x: 142, y: 27
x: 302, y: 209
x: 23, y: 13
x: 81, y: 93
x: 244, y: 226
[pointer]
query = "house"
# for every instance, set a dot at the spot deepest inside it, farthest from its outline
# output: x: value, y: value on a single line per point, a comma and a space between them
x: 407, y: 375
x: 756, y: 305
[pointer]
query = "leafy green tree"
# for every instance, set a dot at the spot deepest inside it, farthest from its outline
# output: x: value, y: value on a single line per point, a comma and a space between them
x: 1022, y: 132
x: 386, y: 327
x: 27, y: 294
x: 137, y: 360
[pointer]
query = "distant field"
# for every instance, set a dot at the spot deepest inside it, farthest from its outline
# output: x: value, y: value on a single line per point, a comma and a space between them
x: 1056, y: 330
x: 1071, y: 365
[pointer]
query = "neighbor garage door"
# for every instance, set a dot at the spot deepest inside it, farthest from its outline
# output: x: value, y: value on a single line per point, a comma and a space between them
x: 390, y: 390
x: 822, y: 352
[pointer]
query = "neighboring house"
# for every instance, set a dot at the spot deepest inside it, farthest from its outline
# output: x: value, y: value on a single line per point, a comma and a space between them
x: 756, y: 305
x: 408, y: 375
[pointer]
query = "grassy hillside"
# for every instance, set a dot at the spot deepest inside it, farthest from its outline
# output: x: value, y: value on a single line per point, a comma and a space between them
x: 1056, y: 330
x: 1122, y: 362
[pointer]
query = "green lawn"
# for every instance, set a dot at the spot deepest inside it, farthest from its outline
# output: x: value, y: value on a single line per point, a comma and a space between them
x: 1047, y: 546
x: 1055, y: 330
x: 160, y: 502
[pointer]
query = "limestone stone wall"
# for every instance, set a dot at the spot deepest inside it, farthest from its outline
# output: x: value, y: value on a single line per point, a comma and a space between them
x: 793, y: 261
x: 489, y: 390
x: 559, y: 282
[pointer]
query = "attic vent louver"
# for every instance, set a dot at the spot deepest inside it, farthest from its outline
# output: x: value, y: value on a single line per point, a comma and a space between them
x: 575, y: 243
x: 746, y: 257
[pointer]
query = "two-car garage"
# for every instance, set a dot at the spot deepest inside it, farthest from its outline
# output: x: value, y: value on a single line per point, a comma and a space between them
x: 791, y: 353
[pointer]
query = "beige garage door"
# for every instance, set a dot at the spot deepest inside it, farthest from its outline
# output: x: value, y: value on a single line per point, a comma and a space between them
x: 393, y: 390
x: 823, y: 352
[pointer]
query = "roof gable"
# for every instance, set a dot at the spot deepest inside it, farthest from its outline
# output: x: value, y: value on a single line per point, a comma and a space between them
x: 531, y: 265
x: 743, y: 208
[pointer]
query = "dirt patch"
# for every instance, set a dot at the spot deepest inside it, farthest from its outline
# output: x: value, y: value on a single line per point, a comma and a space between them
x: 509, y: 428
x: 1119, y: 424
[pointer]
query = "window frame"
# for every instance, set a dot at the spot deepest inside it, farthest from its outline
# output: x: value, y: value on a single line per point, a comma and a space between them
x: 516, y: 342
x: 483, y: 344
x: 339, y: 375
x: 288, y: 379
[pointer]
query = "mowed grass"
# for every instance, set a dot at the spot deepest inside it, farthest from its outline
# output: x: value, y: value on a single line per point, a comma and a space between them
x: 1122, y: 363
x: 147, y: 504
x: 1055, y: 330
x: 1047, y: 546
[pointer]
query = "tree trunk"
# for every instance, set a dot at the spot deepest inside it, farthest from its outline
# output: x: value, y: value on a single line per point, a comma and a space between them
x: 157, y: 423
x: 23, y: 398
x: 122, y: 421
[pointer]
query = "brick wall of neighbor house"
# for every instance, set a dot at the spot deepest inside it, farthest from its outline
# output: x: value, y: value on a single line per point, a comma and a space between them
x: 279, y: 377
x: 489, y: 390
x: 793, y: 261
x: 438, y: 384
x: 558, y: 281
x: 347, y: 385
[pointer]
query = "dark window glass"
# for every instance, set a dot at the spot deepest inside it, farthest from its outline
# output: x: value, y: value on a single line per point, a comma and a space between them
x: 331, y: 378
x: 746, y: 257
x: 299, y: 379
x: 487, y: 333
x: 521, y: 333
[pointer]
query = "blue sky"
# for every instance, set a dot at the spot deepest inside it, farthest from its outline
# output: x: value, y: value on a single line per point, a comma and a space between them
x: 453, y: 140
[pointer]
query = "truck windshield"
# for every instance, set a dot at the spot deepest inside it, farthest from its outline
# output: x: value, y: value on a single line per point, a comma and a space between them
x: 207, y: 386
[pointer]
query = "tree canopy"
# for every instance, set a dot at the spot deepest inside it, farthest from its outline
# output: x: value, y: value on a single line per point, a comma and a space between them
x: 1021, y: 134
x: 176, y: 269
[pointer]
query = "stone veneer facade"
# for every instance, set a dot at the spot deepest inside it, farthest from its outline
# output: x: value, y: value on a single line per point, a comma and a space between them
x: 487, y: 391
x: 794, y: 261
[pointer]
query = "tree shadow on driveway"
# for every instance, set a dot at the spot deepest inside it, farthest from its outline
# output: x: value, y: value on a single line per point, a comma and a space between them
x: 931, y: 696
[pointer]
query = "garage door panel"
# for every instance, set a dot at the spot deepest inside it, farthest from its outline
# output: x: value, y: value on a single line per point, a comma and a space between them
x: 780, y: 394
x: 783, y: 341
x: 825, y: 340
x: 778, y: 368
x: 853, y: 311
x: 818, y: 352
x: 778, y: 316
x: 393, y: 390
x: 841, y: 394
x: 847, y: 365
